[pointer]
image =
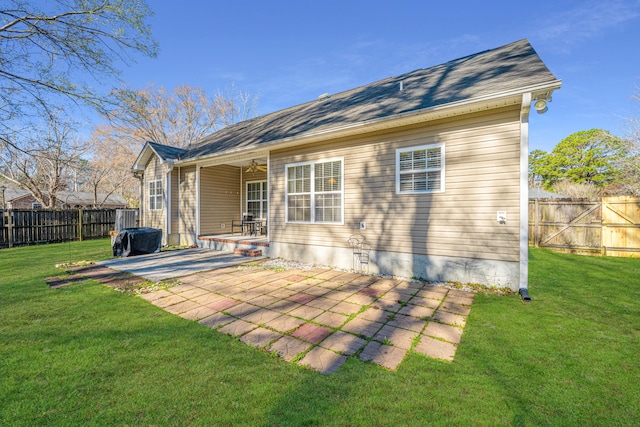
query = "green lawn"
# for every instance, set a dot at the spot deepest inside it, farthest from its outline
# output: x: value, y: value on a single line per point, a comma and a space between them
x: 88, y: 355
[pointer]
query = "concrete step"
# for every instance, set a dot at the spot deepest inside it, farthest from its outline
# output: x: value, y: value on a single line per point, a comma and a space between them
x: 247, y: 252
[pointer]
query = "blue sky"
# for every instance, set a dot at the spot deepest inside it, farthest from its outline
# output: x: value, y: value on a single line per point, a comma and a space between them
x: 289, y: 52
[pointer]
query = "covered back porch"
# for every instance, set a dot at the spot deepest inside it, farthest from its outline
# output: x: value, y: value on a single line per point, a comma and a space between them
x: 232, y: 204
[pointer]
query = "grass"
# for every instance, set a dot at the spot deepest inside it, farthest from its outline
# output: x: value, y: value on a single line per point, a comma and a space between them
x: 88, y: 355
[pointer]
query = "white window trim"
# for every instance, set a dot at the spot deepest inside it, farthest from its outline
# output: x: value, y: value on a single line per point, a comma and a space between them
x: 312, y: 163
x: 246, y: 199
x: 155, y: 196
x: 416, y: 148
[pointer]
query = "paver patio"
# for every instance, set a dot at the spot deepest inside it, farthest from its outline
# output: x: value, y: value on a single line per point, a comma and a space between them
x: 320, y: 318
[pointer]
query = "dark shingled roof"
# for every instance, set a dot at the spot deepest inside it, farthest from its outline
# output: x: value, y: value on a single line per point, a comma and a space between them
x: 509, y: 67
x: 166, y: 152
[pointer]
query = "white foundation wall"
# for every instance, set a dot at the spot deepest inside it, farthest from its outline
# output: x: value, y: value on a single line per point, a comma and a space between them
x: 435, y: 268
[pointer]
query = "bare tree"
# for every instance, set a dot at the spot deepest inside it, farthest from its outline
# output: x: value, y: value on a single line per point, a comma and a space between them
x: 48, y: 45
x: 178, y: 118
x: 43, y: 161
x: 234, y: 105
x: 110, y: 167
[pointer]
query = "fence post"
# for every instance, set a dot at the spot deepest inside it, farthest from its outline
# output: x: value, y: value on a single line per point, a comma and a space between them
x: 9, y: 229
x: 603, y: 228
x: 536, y: 231
x: 80, y: 225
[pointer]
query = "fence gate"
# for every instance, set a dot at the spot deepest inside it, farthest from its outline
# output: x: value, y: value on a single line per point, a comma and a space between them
x: 610, y: 226
x: 567, y: 224
x: 621, y: 226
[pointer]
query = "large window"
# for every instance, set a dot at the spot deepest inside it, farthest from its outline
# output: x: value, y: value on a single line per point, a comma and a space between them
x: 257, y: 199
x: 155, y: 195
x: 420, y: 169
x: 315, y: 192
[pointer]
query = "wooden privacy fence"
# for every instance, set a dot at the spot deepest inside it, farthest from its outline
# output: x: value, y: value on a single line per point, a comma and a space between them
x: 607, y: 226
x: 28, y: 227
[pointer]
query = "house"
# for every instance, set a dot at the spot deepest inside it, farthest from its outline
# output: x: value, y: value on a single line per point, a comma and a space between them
x: 17, y: 198
x: 430, y: 167
x: 539, y: 193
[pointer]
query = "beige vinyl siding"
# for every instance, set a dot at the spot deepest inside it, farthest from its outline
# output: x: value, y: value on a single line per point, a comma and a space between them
x: 219, y: 198
x: 481, y: 178
x: 188, y: 201
x: 156, y: 218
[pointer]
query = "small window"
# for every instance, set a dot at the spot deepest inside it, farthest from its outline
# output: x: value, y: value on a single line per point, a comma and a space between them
x: 36, y: 205
x: 155, y: 195
x: 315, y: 192
x: 420, y: 169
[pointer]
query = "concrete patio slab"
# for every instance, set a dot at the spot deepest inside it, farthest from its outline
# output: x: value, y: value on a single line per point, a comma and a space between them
x: 416, y: 311
x: 383, y: 355
x: 323, y: 360
x: 260, y: 337
x: 446, y: 332
x: 330, y: 319
x: 237, y: 328
x: 306, y: 312
x: 168, y: 300
x: 182, y: 307
x: 311, y: 333
x: 436, y: 348
x: 284, y: 323
x: 170, y: 264
x: 289, y: 347
x: 362, y: 327
x: 401, y: 338
x: 152, y: 296
x: 450, y: 318
x: 456, y: 308
x: 198, y: 313
x: 346, y: 308
x: 343, y: 342
x: 260, y: 317
x: 216, y: 320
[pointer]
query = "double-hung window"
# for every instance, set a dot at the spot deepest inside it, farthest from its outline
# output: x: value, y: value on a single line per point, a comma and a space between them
x: 155, y: 195
x: 420, y: 169
x: 315, y: 192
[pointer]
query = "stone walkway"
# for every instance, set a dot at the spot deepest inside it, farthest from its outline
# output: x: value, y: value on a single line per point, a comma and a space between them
x: 320, y: 317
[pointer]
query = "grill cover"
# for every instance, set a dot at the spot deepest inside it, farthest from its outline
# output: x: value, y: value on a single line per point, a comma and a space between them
x: 137, y: 241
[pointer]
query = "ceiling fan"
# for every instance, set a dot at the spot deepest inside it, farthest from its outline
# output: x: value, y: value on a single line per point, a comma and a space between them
x: 255, y: 167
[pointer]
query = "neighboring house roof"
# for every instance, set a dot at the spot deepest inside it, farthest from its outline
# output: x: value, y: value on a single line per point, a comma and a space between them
x: 69, y: 197
x: 12, y: 194
x: 86, y: 198
x: 537, y: 193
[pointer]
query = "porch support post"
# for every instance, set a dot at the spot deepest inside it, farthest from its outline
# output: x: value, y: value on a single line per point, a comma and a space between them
x: 269, y: 196
x: 167, y: 212
x: 198, y: 167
